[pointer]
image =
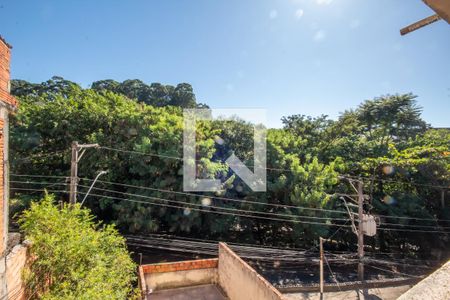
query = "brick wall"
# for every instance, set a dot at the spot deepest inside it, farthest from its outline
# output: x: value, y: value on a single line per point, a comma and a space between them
x: 7, y: 104
x: 3, y: 209
x: 180, y: 266
x: 5, y: 57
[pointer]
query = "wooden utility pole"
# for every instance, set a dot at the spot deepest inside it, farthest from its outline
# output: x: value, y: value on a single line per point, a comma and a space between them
x: 321, y: 267
x: 74, y: 174
x: 76, y: 156
x: 360, y: 232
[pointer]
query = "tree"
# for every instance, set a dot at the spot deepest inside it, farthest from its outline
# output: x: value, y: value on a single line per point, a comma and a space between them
x: 155, y: 94
x: 73, y: 256
x: 390, y: 118
x: 304, y: 161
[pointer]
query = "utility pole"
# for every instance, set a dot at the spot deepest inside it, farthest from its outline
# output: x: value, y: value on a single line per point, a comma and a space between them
x: 74, y: 174
x: 360, y: 232
x: 76, y: 156
x: 321, y: 267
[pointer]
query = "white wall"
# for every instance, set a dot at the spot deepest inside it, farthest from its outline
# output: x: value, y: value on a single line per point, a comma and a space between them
x: 240, y: 281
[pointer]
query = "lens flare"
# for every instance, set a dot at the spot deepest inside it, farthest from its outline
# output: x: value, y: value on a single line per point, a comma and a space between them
x: 388, y: 170
x: 389, y: 200
x: 218, y: 140
x: 206, y: 201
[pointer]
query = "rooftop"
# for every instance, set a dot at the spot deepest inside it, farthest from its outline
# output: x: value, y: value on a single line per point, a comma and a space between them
x: 208, y: 291
x: 5, y: 42
x: 225, y: 277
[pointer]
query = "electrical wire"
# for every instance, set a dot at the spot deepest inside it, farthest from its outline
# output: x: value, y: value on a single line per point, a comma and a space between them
x: 397, y: 181
x: 37, y: 176
x: 274, y: 169
x: 212, y: 211
x: 332, y: 274
x: 394, y: 272
x: 217, y: 197
x: 290, y: 216
x: 212, y: 206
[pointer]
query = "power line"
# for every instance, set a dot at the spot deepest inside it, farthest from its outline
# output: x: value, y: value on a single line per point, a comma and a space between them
x: 43, y: 155
x: 332, y: 274
x: 254, y: 252
x: 38, y: 182
x: 175, y: 157
x: 413, y: 218
x: 295, y: 221
x: 176, y: 237
x: 412, y: 230
x: 212, y: 211
x: 37, y: 176
x: 219, y: 198
x: 397, y: 181
x: 212, y: 206
x: 232, y: 199
x: 275, y: 214
x: 39, y: 190
x: 272, y: 169
x: 415, y: 226
x: 394, y: 272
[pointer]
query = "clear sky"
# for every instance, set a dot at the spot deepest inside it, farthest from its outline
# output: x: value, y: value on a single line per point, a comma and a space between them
x: 288, y: 56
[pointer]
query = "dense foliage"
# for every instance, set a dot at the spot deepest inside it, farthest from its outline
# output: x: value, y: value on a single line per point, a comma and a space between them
x: 384, y: 141
x: 73, y: 257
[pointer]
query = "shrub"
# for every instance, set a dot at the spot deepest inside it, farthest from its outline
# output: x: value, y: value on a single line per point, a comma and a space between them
x: 73, y: 257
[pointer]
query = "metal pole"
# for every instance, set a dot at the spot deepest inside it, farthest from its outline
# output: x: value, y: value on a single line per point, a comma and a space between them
x: 321, y: 267
x: 92, y: 185
x: 74, y: 174
x: 360, y: 232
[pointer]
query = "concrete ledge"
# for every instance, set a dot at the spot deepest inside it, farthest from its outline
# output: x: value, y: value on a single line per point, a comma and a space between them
x: 180, y: 266
x: 434, y: 287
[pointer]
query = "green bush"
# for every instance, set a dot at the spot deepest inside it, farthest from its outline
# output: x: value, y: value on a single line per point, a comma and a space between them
x: 73, y: 257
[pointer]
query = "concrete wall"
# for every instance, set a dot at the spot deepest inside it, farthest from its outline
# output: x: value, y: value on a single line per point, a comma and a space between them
x: 240, y: 281
x: 171, y: 280
x: 434, y: 287
x: 15, y: 263
x: 178, y: 274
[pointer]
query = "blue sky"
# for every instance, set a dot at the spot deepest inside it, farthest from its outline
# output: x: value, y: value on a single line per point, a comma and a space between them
x: 288, y: 56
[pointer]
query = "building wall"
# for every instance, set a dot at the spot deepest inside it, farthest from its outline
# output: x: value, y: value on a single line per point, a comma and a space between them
x: 177, y: 274
x: 434, y: 287
x: 240, y: 281
x: 3, y: 205
x: 5, y: 57
x: 7, y: 104
x: 15, y: 263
